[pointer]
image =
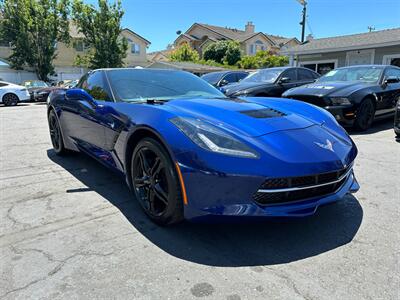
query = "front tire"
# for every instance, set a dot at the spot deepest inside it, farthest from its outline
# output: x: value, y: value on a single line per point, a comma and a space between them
x: 56, y: 134
x: 10, y: 99
x: 365, y: 115
x: 155, y: 183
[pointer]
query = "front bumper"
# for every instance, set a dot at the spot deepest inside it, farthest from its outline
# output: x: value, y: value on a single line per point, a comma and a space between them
x: 211, y: 197
x: 344, y: 115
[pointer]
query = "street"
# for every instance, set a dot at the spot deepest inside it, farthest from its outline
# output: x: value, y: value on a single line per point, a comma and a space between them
x: 69, y: 229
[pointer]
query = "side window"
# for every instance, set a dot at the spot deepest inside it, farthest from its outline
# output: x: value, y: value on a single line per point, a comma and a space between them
x: 96, y: 87
x: 291, y: 74
x: 3, y: 84
x: 304, y: 74
x: 231, y: 77
x: 392, y: 72
x: 82, y: 84
x: 241, y: 76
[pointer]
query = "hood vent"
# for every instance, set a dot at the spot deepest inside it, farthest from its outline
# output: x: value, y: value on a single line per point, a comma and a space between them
x: 263, y: 113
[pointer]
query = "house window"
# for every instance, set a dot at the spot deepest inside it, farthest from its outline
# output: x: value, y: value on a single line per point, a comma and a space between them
x: 257, y: 46
x: 135, y: 48
x: 78, y: 46
x: 321, y: 67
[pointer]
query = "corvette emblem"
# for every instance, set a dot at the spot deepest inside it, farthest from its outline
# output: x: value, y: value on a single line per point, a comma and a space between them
x: 327, y: 146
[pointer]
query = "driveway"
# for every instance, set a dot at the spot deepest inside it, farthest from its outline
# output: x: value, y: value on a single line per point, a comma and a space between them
x: 70, y: 229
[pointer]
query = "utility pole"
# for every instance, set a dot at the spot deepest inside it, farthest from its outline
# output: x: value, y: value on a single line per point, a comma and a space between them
x: 303, y: 21
x: 371, y: 28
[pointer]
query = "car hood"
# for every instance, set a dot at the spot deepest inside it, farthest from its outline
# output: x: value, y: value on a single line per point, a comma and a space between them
x: 233, y: 88
x: 241, y: 115
x: 322, y: 89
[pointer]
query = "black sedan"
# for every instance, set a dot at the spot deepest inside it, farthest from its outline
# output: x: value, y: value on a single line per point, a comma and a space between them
x: 270, y: 82
x: 38, y: 90
x: 354, y: 95
x: 219, y: 79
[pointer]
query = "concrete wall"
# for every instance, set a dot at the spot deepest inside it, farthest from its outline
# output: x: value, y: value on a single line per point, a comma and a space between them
x: 16, y: 76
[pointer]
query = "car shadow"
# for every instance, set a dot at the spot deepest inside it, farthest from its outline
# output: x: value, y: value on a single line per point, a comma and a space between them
x: 268, y: 242
x: 378, y: 125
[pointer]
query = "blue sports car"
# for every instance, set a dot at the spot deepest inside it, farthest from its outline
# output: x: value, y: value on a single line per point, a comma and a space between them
x: 189, y: 152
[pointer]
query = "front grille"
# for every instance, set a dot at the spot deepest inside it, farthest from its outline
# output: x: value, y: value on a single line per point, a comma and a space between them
x: 311, y: 99
x: 310, y: 187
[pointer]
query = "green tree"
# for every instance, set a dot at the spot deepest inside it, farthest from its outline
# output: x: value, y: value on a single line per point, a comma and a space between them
x: 233, y: 53
x: 184, y: 53
x: 102, y: 33
x: 263, y: 59
x: 33, y: 28
x: 223, y: 52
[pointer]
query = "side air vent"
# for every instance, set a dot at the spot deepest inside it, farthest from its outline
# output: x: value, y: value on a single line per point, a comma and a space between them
x: 263, y: 113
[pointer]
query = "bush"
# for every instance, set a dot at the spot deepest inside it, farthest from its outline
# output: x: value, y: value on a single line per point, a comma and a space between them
x: 184, y: 53
x: 223, y: 52
x: 263, y: 59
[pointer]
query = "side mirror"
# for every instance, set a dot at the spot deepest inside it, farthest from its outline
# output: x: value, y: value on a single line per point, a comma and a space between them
x: 223, y: 82
x: 284, y: 80
x: 79, y: 95
x: 391, y: 79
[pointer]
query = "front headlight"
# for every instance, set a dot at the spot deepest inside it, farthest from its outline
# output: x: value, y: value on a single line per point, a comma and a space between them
x: 340, y: 101
x: 212, y: 138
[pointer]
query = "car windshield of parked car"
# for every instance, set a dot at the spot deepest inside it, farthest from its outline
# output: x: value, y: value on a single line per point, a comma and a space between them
x: 266, y: 75
x: 363, y: 74
x: 134, y: 85
x: 35, y: 84
x: 212, y: 78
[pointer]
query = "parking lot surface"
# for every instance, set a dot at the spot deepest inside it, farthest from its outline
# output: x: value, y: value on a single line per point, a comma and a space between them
x: 70, y: 229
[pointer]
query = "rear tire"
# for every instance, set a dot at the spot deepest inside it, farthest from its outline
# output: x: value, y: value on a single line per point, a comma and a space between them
x: 155, y: 182
x: 56, y: 134
x: 365, y: 115
x: 10, y: 99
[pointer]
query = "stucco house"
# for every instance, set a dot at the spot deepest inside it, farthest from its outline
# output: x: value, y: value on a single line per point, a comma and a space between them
x: 198, y: 36
x: 64, y: 63
x: 325, y: 54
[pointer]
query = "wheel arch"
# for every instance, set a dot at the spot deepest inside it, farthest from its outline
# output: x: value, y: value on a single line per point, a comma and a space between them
x: 8, y: 93
x: 134, y: 138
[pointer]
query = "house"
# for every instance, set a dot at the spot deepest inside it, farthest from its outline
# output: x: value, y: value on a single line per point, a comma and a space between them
x: 191, y: 67
x: 325, y: 54
x: 198, y: 36
x: 162, y: 55
x: 64, y: 63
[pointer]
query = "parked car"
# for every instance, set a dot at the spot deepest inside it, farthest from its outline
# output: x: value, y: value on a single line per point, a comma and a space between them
x: 33, y: 86
x: 270, y: 82
x: 219, y: 79
x: 188, y: 151
x: 11, y: 94
x: 397, y: 119
x: 71, y: 84
x: 38, y: 90
x: 354, y: 95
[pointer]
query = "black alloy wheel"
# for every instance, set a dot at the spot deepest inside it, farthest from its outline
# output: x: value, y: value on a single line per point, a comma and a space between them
x: 10, y: 99
x: 365, y: 115
x: 55, y: 134
x: 155, y: 182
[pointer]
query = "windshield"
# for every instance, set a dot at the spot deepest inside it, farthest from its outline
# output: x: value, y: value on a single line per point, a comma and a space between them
x: 265, y: 75
x: 134, y: 85
x: 212, y: 78
x: 35, y: 84
x: 363, y: 74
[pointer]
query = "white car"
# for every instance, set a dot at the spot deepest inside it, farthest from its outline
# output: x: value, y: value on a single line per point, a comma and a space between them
x: 11, y: 94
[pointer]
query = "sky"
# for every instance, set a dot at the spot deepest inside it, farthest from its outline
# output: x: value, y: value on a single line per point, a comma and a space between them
x: 159, y: 20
